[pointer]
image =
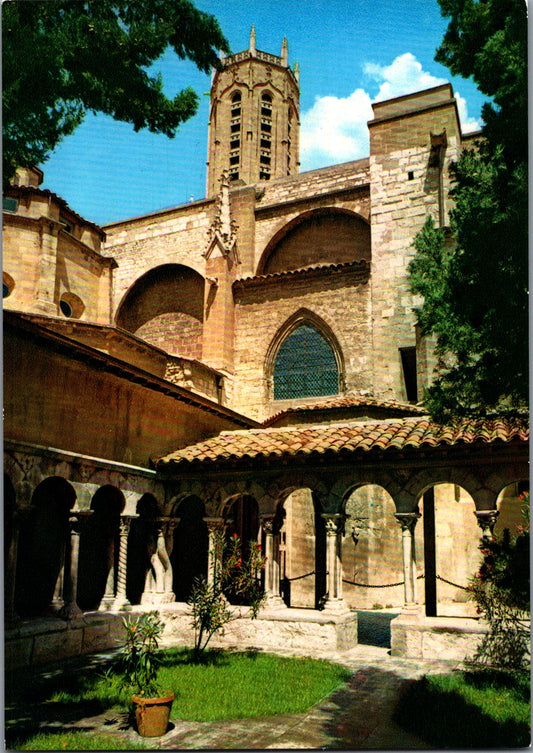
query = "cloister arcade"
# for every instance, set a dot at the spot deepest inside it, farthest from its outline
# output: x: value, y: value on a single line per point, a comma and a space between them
x: 339, y: 531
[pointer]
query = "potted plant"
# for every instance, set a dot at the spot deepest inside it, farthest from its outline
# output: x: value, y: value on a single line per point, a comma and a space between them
x: 141, y: 664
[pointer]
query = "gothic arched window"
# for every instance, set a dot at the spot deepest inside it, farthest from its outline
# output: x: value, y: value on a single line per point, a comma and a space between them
x: 305, y: 365
x: 235, y: 136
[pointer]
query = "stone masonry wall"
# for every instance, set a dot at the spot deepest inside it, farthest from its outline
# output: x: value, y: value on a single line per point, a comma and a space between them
x: 404, y: 190
x: 175, y: 237
x: 262, y: 310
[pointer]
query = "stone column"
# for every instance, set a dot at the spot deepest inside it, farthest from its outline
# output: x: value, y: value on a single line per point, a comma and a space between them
x: 70, y: 609
x: 162, y: 568
x: 121, y: 602
x: 407, y: 521
x: 108, y: 599
x: 215, y: 528
x: 334, y: 532
x: 486, y: 520
x: 272, y: 592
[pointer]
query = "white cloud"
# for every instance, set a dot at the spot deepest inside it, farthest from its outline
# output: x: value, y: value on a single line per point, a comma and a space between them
x: 403, y: 76
x: 335, y: 128
x: 468, y: 124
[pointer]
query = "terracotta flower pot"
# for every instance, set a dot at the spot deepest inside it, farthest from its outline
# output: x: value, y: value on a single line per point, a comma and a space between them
x: 152, y: 714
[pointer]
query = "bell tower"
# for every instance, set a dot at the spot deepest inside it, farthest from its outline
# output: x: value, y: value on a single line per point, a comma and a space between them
x: 254, y: 118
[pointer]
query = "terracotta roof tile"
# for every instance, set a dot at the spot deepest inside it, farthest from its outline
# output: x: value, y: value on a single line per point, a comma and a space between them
x: 415, y: 432
x: 351, y: 401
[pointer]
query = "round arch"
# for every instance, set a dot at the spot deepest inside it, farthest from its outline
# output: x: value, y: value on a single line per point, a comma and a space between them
x: 98, y: 552
x: 372, y: 548
x: 165, y: 307
x: 191, y: 544
x: 319, y: 236
x: 300, y: 540
x: 41, y: 549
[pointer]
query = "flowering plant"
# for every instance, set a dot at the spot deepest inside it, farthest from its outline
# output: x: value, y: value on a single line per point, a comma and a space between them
x: 235, y: 580
x: 139, y: 652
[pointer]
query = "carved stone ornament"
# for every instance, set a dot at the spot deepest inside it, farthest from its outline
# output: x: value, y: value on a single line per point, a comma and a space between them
x: 222, y: 235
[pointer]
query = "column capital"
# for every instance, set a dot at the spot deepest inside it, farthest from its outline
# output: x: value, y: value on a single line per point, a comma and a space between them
x: 407, y: 520
x: 267, y: 522
x: 486, y: 520
x: 125, y: 523
x: 214, y: 524
x: 334, y: 522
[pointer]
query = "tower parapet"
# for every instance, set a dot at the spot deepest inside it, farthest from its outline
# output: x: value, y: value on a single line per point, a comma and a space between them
x: 254, y: 118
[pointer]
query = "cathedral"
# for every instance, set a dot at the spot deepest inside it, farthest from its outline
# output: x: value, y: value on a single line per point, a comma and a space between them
x: 249, y: 363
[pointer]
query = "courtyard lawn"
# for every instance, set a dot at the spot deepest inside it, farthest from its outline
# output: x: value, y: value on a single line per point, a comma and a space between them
x: 224, y: 686
x: 482, y: 708
x: 79, y: 741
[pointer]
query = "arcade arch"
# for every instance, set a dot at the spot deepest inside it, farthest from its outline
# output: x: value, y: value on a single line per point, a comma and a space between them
x: 41, y: 546
x: 320, y: 236
x: 165, y: 307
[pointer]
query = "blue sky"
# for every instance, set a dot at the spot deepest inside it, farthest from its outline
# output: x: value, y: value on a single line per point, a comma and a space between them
x: 350, y: 52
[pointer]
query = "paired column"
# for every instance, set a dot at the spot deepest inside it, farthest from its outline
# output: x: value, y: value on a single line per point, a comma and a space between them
x: 407, y: 521
x: 335, y: 524
x: 159, y: 580
x: 272, y: 574
x: 67, y: 584
x: 215, y: 529
x: 116, y: 599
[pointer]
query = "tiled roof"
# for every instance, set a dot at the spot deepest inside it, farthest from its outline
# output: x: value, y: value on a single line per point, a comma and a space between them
x: 344, y: 438
x: 359, y: 265
x: 351, y: 401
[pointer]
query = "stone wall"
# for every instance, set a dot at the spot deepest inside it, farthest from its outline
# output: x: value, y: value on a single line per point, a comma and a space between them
x: 60, y: 396
x: 263, y: 309
x: 176, y: 236
x: 405, y: 189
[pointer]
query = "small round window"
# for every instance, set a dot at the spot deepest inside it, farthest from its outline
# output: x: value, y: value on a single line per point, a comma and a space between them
x: 71, y: 305
x: 66, y: 308
x: 8, y: 283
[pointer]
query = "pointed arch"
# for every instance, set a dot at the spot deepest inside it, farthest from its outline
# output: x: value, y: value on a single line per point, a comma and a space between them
x: 304, y: 359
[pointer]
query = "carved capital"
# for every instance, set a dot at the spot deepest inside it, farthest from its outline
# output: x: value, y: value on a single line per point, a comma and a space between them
x: 214, y: 525
x: 407, y: 520
x: 486, y: 520
x: 335, y: 523
x: 267, y: 523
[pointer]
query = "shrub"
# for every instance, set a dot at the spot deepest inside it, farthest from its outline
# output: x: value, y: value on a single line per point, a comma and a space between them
x: 139, y: 652
x: 235, y: 579
x: 500, y: 590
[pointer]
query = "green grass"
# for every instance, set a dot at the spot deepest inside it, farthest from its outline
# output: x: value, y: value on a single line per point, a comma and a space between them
x: 78, y: 741
x: 224, y: 686
x: 476, y: 709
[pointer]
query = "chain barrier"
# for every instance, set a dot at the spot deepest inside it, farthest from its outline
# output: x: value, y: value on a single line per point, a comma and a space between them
x: 370, y: 585
x: 381, y: 585
x: 451, y: 583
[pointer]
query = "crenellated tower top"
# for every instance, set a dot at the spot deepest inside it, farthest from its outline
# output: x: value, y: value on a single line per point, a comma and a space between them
x: 254, y: 118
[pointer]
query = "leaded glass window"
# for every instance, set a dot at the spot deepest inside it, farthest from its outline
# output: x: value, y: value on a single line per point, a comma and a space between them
x: 305, y: 366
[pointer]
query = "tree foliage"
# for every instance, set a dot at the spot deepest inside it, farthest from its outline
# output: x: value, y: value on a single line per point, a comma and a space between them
x: 63, y: 58
x: 475, y: 290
